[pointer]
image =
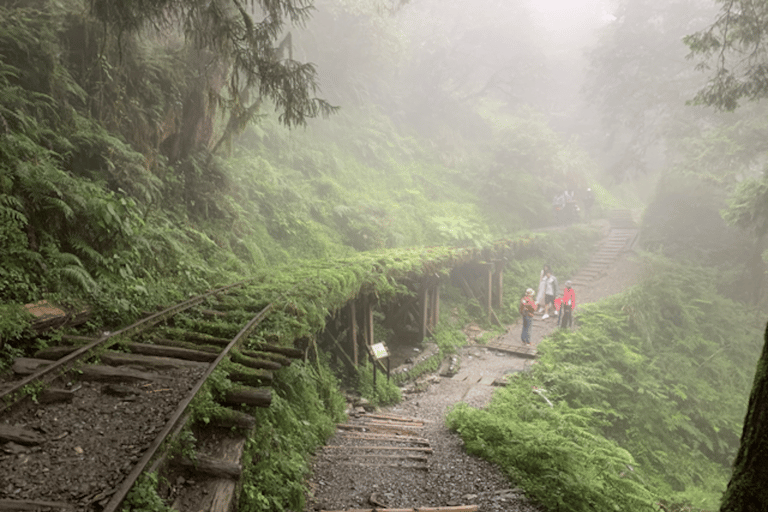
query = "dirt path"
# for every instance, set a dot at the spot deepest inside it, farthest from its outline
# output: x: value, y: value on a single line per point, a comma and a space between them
x: 452, y: 477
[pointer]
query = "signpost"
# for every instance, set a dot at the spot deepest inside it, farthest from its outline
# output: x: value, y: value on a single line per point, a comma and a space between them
x: 378, y: 351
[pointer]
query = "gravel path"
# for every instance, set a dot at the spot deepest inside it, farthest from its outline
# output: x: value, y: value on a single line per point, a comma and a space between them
x: 453, y: 477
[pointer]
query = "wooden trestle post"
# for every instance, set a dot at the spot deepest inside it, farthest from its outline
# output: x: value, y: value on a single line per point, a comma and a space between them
x: 424, y: 308
x: 353, y: 330
x: 499, y: 279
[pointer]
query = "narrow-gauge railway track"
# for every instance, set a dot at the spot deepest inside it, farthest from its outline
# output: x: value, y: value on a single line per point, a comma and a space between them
x: 84, y: 420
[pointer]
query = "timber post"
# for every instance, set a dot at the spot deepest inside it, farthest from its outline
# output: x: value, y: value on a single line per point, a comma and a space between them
x: 499, y: 282
x: 353, y: 330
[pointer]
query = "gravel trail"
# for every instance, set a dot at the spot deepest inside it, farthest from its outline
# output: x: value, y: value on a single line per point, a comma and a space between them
x: 452, y: 477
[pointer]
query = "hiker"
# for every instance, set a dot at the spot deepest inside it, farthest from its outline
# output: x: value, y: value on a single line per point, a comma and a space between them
x: 589, y: 200
x: 550, y: 290
x: 558, y: 205
x: 527, y: 308
x: 542, y: 288
x: 567, y: 305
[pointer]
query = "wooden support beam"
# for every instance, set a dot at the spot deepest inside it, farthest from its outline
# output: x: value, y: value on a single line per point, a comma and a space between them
x: 353, y: 331
x: 435, y: 310
x: 423, y: 310
x: 499, y: 284
x: 489, y: 295
x: 369, y: 323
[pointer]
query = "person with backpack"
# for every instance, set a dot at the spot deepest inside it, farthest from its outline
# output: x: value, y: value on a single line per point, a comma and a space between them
x: 527, y: 309
x: 567, y: 305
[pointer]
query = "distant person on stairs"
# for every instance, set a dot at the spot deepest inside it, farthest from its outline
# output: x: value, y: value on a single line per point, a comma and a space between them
x: 550, y: 290
x: 527, y: 308
x: 567, y: 305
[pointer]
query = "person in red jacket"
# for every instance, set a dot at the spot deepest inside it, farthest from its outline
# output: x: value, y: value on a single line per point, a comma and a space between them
x: 527, y: 308
x: 567, y: 305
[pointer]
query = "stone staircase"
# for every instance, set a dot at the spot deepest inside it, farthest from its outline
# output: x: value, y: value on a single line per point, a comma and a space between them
x: 621, y: 238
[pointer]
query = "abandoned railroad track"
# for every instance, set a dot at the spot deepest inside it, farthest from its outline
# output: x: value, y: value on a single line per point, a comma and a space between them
x: 84, y: 419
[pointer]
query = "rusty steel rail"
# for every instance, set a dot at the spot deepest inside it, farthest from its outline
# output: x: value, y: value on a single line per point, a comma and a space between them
x: 68, y: 362
x: 172, y: 423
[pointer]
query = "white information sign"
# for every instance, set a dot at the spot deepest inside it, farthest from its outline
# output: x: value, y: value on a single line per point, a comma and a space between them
x: 379, y: 351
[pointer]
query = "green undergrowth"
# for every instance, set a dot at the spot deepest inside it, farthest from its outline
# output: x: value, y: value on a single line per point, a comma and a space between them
x: 642, y: 404
x: 306, y: 405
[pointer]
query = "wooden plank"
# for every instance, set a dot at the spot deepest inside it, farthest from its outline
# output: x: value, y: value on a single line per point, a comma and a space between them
x: 28, y: 365
x: 55, y: 395
x: 460, y: 508
x: 20, y: 435
x: 292, y: 353
x: 155, y: 362
x: 424, y: 449
x: 209, y: 466
x: 250, y: 396
x: 54, y: 353
x: 269, y: 356
x: 384, y: 437
x: 353, y: 332
x: 101, y: 373
x: 511, y: 349
x: 420, y: 458
x: 19, y: 505
x: 375, y: 428
x: 402, y: 419
x: 178, y: 353
x: 390, y: 423
x: 258, y: 364
x: 400, y: 465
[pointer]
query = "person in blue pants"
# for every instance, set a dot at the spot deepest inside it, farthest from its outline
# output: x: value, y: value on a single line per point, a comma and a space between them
x: 527, y: 309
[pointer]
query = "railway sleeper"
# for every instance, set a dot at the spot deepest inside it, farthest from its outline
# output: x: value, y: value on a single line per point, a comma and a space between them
x: 250, y: 362
x: 244, y: 395
x: 144, y: 361
x: 175, y: 352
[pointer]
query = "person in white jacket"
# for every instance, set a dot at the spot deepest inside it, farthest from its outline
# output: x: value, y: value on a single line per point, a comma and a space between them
x: 550, y: 291
x: 542, y: 287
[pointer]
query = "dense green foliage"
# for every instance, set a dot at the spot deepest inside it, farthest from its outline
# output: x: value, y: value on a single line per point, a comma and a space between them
x: 306, y: 406
x: 648, y: 398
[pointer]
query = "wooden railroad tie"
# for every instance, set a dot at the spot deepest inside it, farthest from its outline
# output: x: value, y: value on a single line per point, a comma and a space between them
x: 402, y: 419
x: 385, y: 437
x: 424, y: 449
x: 461, y: 508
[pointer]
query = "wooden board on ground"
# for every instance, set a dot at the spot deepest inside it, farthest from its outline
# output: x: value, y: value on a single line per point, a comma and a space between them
x: 460, y: 508
x: 519, y: 350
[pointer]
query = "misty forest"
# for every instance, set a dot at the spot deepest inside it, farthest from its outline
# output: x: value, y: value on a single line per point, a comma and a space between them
x: 154, y: 149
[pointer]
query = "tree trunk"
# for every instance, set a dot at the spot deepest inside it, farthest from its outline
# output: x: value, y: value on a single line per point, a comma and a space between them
x: 747, y: 491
